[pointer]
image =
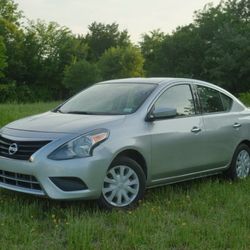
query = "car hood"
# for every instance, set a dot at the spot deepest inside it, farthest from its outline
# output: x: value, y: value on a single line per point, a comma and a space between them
x: 64, y: 123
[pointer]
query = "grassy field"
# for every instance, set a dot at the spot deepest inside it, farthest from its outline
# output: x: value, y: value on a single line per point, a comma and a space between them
x: 210, y: 213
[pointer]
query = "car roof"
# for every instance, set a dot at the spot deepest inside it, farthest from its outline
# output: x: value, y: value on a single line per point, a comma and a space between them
x: 166, y: 81
x: 154, y: 80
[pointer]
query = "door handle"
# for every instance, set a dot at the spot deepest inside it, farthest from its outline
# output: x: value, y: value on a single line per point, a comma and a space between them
x: 237, y: 125
x: 195, y: 130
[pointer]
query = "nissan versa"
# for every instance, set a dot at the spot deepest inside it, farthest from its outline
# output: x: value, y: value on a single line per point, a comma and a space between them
x: 115, y: 139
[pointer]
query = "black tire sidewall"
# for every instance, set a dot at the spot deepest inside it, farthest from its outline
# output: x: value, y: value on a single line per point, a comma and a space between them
x: 126, y: 161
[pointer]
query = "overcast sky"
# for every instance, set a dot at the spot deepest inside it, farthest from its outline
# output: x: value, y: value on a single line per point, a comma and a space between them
x: 137, y: 16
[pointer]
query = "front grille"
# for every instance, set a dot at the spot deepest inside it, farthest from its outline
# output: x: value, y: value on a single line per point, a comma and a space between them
x: 24, y: 148
x: 20, y: 180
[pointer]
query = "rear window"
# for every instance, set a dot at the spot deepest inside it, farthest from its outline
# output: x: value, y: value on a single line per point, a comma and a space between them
x: 213, y: 101
x: 227, y: 102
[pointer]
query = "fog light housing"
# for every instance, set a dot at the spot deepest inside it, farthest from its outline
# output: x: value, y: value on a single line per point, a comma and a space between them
x: 69, y: 184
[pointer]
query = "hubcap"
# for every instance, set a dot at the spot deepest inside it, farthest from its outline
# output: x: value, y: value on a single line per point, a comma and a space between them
x: 243, y: 164
x: 121, y: 186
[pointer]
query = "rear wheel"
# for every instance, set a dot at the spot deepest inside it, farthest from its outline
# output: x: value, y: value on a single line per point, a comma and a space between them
x: 124, y: 184
x: 240, y: 165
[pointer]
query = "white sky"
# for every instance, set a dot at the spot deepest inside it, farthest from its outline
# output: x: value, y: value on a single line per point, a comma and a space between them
x: 137, y: 16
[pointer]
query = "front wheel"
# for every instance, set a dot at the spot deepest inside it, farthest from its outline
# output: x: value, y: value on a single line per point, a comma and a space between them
x: 124, y: 184
x: 240, y: 165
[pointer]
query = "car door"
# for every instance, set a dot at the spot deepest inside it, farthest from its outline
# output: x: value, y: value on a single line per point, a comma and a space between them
x: 221, y: 127
x: 177, y: 143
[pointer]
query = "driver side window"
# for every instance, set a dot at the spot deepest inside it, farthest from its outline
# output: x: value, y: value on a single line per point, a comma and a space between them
x: 178, y: 97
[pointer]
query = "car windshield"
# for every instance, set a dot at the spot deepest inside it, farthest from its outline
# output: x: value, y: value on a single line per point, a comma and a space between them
x: 108, y: 99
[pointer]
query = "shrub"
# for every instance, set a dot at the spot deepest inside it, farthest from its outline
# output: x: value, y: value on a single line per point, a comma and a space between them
x: 245, y: 98
x: 121, y: 62
x: 12, y: 93
x: 80, y: 75
x: 7, y: 93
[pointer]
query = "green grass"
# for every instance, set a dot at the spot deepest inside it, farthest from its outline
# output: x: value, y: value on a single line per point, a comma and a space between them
x: 11, y: 112
x: 211, y: 213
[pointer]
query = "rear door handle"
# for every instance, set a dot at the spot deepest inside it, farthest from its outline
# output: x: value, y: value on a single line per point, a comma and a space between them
x: 237, y: 125
x: 195, y: 130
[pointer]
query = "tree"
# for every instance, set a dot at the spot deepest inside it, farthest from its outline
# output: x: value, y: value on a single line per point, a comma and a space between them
x: 150, y: 46
x: 215, y: 47
x: 9, y: 11
x: 49, y: 48
x: 226, y: 30
x: 12, y: 36
x: 104, y: 36
x: 121, y: 62
x: 182, y: 54
x: 3, y: 57
x: 80, y: 75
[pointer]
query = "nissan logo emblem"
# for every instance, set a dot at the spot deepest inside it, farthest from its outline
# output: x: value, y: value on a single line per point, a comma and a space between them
x: 13, y: 148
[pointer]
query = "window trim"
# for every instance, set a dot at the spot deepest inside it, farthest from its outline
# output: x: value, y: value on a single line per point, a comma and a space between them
x: 196, y: 107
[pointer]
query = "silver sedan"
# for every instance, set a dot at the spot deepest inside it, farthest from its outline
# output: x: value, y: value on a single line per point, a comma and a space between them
x: 115, y: 139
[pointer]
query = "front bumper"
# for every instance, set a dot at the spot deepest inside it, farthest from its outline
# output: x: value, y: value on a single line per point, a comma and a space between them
x: 90, y: 170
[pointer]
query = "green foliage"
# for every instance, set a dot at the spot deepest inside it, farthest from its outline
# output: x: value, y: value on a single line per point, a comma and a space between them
x: 41, y: 57
x: 12, y: 93
x: 12, y: 36
x: 9, y: 11
x: 176, y: 55
x: 245, y: 98
x: 47, y: 49
x: 150, y: 46
x: 104, y: 36
x: 215, y: 47
x: 226, y: 27
x: 7, y: 93
x: 3, y: 57
x: 121, y: 62
x: 80, y: 75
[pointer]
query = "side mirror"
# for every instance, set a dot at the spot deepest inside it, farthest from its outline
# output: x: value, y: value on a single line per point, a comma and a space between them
x: 161, y: 113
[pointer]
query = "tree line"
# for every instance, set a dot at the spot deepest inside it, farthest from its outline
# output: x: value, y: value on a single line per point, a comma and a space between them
x: 46, y: 61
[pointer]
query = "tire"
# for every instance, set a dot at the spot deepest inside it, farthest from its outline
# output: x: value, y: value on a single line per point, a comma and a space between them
x: 123, y: 186
x: 240, y: 166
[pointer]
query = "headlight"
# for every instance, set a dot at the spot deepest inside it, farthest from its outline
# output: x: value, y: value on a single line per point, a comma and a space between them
x: 81, y: 146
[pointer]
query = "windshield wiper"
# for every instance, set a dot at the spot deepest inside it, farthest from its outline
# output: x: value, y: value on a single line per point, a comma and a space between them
x: 59, y: 111
x: 80, y: 112
x: 90, y: 113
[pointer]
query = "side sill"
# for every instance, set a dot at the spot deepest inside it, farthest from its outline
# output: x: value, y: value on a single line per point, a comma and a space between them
x: 185, y: 177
